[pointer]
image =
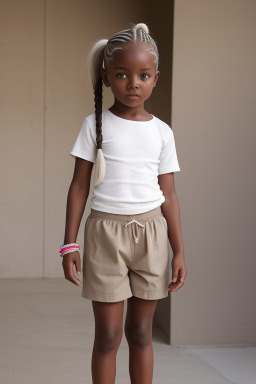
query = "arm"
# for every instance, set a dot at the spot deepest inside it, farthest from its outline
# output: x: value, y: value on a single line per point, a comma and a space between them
x: 76, y: 200
x: 171, y: 212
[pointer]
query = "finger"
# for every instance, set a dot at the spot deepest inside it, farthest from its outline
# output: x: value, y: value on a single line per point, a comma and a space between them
x: 174, y: 287
x: 179, y: 276
x: 70, y: 275
x: 177, y: 286
x: 175, y: 275
x: 182, y: 276
x: 78, y: 265
x: 178, y: 283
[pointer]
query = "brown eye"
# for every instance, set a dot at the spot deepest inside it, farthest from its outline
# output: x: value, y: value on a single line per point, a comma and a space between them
x: 144, y: 76
x: 120, y: 75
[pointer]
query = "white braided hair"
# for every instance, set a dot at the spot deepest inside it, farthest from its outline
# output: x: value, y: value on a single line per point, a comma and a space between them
x: 100, y: 56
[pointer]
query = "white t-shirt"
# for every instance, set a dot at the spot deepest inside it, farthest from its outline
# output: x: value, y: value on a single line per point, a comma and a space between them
x: 136, y: 152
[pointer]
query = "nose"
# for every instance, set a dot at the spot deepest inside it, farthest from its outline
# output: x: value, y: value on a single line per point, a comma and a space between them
x: 133, y: 83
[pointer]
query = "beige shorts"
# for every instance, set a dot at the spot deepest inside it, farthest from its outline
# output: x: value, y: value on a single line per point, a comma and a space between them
x: 125, y: 255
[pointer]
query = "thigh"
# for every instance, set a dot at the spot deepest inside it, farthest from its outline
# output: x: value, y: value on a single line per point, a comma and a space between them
x: 108, y: 317
x: 140, y: 311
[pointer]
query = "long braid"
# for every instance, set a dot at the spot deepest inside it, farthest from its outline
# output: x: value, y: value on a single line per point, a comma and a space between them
x: 98, y: 96
x: 95, y: 60
x: 99, y: 57
x: 100, y: 163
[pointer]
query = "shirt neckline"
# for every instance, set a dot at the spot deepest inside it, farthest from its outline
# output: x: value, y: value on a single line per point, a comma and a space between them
x: 130, y: 121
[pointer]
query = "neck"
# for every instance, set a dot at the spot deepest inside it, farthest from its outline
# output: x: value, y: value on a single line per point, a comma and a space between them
x: 130, y: 113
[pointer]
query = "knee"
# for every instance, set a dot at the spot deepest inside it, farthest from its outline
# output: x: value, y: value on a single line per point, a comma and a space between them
x: 108, y: 339
x: 138, y: 334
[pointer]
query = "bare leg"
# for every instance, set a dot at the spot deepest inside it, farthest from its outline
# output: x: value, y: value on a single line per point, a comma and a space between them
x: 108, y: 336
x: 138, y: 331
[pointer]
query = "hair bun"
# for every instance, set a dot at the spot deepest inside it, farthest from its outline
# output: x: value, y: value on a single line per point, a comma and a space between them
x: 142, y: 26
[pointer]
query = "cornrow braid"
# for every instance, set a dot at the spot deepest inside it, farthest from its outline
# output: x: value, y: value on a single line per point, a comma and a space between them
x: 138, y: 33
x: 99, y: 57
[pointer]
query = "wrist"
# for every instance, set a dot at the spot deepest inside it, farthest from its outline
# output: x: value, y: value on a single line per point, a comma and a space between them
x: 68, y: 248
x: 69, y: 240
x: 178, y: 254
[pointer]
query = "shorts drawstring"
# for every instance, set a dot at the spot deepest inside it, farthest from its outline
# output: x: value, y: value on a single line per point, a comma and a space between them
x: 136, y: 238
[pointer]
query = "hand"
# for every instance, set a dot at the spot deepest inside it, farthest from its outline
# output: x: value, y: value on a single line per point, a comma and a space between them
x: 68, y: 262
x: 178, y: 273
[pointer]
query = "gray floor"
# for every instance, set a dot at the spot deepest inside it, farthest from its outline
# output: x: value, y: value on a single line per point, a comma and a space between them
x: 47, y: 331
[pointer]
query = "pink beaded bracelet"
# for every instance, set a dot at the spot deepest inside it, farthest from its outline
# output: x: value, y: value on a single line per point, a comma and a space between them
x: 68, y: 248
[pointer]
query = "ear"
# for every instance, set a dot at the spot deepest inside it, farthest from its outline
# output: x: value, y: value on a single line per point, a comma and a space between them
x: 156, y: 78
x: 104, y: 75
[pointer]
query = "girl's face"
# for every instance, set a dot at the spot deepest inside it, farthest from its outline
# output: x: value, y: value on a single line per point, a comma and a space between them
x: 131, y: 74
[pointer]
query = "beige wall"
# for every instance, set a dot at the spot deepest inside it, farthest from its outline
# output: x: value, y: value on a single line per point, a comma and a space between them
x: 213, y: 117
x: 22, y: 138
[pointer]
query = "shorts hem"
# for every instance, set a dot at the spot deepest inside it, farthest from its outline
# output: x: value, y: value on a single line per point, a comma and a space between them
x: 151, y: 295
x: 106, y: 297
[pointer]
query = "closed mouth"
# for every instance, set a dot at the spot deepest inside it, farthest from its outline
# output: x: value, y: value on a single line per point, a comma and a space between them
x: 133, y: 95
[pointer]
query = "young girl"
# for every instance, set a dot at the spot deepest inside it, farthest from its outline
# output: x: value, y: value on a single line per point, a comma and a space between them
x: 134, y: 208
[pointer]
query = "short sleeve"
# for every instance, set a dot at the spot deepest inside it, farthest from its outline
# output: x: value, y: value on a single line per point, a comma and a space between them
x: 85, y: 144
x: 168, y: 157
